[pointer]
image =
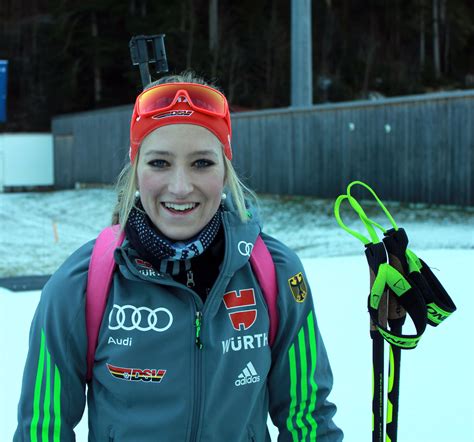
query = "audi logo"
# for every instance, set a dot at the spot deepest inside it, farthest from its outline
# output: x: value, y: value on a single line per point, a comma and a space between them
x: 245, y: 248
x: 129, y: 317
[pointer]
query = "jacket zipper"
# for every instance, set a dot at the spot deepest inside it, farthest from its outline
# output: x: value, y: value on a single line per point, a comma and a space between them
x: 197, y: 324
x: 197, y: 379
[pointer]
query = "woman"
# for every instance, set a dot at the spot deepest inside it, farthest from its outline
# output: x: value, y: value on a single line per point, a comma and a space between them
x: 183, y: 351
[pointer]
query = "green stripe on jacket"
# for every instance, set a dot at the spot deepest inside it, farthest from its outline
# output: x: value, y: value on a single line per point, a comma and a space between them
x: 42, y: 406
x: 302, y: 423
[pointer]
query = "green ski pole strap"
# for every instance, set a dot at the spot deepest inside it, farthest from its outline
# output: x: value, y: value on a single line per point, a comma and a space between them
x: 382, y: 206
x: 408, y: 296
x: 354, y: 233
x: 439, y: 303
x: 442, y: 305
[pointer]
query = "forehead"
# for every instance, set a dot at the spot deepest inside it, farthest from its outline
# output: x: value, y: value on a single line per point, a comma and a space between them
x: 181, y: 138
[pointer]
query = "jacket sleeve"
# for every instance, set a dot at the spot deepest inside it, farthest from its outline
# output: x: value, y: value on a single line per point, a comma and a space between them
x: 300, y: 379
x: 52, y: 398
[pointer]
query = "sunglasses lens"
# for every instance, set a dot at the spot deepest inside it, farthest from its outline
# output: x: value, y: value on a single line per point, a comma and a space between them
x: 155, y: 99
x: 202, y: 98
x: 207, y: 99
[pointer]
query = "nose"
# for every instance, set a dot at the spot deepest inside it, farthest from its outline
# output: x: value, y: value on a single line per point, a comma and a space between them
x: 180, y: 184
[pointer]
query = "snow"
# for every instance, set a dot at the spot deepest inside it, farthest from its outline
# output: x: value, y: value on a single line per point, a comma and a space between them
x: 436, y: 378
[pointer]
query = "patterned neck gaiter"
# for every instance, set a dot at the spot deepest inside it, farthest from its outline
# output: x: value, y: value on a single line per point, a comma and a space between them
x: 152, y: 245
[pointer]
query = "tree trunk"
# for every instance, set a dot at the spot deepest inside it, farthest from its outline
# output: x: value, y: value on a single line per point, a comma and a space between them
x: 192, y: 25
x: 445, y: 29
x: 370, y: 54
x: 213, y: 24
x: 422, y: 34
x: 270, y: 75
x: 436, y: 51
x: 97, y: 71
x: 214, y: 34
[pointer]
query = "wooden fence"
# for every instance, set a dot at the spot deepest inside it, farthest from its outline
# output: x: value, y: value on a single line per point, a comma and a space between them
x: 413, y: 149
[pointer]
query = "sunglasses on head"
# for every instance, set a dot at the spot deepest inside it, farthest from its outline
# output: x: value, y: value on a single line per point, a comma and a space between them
x: 199, y: 97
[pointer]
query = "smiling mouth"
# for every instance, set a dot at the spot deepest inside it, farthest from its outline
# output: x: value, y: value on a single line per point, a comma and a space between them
x: 180, y: 208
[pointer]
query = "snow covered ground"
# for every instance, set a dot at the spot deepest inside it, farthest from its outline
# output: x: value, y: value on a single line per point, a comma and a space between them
x: 39, y: 230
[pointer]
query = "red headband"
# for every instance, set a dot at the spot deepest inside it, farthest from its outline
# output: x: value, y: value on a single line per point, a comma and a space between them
x: 180, y: 112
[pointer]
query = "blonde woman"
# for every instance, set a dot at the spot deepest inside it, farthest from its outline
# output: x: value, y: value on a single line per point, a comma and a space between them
x: 183, y: 351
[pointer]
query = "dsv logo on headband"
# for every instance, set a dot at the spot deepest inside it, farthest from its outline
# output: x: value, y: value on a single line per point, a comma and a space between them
x: 175, y: 113
x: 129, y: 317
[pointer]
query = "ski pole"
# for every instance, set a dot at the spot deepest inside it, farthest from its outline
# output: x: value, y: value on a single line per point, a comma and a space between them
x: 376, y: 257
x: 396, y: 318
x: 375, y: 254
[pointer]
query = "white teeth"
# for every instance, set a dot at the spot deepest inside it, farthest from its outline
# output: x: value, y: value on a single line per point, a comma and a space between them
x: 182, y: 207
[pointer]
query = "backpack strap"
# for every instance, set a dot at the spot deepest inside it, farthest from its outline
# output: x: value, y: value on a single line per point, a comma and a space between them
x: 101, y: 268
x: 264, y: 269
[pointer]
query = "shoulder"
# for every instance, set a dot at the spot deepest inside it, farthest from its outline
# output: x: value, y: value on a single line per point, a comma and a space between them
x: 290, y: 273
x: 70, y: 280
x: 282, y: 255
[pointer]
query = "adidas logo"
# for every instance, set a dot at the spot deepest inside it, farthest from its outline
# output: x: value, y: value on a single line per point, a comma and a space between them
x: 248, y: 376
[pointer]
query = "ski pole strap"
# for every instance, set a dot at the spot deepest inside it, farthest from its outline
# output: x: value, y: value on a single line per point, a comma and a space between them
x: 366, y: 241
x: 387, y: 277
x: 439, y: 304
x: 380, y: 203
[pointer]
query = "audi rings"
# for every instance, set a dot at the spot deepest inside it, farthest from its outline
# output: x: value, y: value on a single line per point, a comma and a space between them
x: 245, y: 248
x: 129, y: 317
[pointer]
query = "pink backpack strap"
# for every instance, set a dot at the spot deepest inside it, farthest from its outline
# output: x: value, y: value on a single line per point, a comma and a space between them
x: 264, y: 269
x: 101, y: 268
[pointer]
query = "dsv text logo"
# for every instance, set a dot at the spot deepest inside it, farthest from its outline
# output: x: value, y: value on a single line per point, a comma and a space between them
x: 129, y: 317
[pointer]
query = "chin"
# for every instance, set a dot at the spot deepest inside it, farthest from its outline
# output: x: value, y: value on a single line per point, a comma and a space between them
x: 179, y: 234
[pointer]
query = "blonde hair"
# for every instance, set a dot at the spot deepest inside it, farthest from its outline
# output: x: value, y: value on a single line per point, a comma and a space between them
x: 127, y: 183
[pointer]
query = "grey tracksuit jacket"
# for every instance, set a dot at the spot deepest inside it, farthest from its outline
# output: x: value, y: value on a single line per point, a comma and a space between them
x: 170, y: 368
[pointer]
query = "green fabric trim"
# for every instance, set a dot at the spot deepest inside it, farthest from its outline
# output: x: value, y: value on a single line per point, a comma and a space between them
x: 312, y: 375
x: 57, y: 405
x: 45, y: 360
x: 304, y: 385
x: 293, y: 380
x: 405, y: 342
x: 391, y: 376
x: 391, y: 380
x: 396, y: 281
x: 436, y: 314
x: 298, y: 420
x: 387, y: 275
x: 37, y: 394
x: 378, y: 286
x: 47, y: 399
x: 389, y: 412
x: 354, y: 233
x: 365, y: 219
x: 382, y: 206
x: 414, y: 264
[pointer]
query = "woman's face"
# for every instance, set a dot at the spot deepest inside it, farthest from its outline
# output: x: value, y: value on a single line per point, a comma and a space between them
x: 180, y: 178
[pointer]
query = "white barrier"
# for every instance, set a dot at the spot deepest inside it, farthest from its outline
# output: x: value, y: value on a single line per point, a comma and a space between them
x: 26, y: 159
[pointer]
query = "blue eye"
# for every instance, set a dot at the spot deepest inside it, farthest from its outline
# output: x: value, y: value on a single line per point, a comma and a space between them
x: 200, y: 164
x: 158, y: 163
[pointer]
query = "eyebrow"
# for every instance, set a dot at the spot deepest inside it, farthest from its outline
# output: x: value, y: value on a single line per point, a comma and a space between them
x: 158, y: 152
x: 170, y: 154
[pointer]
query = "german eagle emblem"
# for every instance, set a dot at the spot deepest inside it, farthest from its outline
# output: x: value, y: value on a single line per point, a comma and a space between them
x: 298, y: 287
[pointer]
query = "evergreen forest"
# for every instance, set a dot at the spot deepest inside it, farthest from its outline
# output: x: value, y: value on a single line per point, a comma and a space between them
x: 68, y: 56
